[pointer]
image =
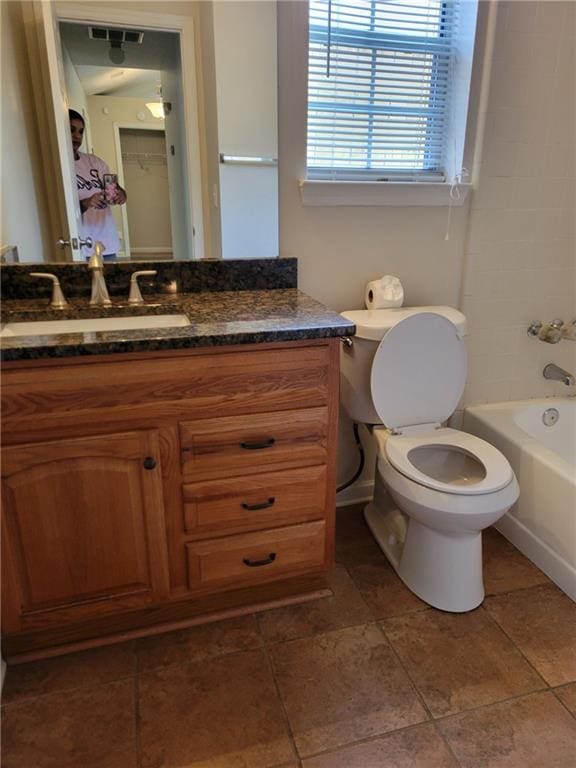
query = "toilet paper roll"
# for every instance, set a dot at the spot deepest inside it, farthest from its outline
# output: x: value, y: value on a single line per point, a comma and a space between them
x: 384, y: 293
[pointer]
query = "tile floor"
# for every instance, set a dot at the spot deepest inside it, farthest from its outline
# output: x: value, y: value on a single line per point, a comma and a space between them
x: 368, y: 678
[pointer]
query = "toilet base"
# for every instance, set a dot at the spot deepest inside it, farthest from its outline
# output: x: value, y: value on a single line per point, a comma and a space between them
x: 443, y: 569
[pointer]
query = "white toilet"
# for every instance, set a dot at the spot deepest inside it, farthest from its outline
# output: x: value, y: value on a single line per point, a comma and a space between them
x: 405, y: 373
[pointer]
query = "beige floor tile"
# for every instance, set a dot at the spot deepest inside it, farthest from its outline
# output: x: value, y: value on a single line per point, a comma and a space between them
x: 344, y: 609
x: 459, y: 661
x: 196, y: 643
x: 385, y: 594
x: 87, y: 728
x: 343, y: 686
x: 418, y: 747
x: 567, y: 695
x: 505, y: 567
x: 542, y: 623
x: 531, y: 732
x: 215, y: 713
x: 74, y: 670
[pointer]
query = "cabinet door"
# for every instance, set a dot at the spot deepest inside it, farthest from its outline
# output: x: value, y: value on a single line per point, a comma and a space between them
x: 83, y: 529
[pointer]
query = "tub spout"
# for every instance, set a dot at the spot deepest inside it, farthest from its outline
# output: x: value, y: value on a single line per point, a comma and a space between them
x: 555, y: 373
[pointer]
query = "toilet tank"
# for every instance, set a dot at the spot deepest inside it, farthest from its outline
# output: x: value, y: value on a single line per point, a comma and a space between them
x: 356, y: 361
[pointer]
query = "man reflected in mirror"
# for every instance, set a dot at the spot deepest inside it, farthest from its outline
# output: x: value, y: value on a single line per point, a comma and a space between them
x: 97, y: 191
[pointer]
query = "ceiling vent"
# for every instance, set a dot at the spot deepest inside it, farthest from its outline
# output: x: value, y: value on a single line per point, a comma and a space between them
x: 115, y: 35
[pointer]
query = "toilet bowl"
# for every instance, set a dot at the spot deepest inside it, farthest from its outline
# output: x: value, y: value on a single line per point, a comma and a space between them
x: 436, y: 488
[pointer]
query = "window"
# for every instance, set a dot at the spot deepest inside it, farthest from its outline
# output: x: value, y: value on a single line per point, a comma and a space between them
x: 388, y: 84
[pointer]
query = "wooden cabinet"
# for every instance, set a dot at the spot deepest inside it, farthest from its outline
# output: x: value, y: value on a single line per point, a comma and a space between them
x: 83, y: 528
x: 142, y: 490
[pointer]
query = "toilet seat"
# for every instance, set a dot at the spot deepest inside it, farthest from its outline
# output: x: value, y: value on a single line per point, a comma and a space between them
x: 400, y: 452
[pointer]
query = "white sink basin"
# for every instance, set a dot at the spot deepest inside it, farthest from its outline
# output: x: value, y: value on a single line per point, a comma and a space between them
x: 92, y: 325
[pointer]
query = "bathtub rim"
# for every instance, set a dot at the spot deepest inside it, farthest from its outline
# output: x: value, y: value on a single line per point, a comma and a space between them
x: 491, y: 414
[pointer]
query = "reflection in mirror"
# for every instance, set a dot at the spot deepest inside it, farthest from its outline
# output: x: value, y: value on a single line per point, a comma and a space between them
x: 122, y: 81
x: 127, y: 82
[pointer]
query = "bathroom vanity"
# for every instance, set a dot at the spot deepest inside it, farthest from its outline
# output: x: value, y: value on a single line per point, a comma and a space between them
x: 161, y: 477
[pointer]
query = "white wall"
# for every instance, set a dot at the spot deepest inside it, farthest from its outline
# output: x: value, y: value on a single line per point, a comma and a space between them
x: 247, y: 125
x: 520, y: 252
x: 75, y: 91
x: 23, y: 210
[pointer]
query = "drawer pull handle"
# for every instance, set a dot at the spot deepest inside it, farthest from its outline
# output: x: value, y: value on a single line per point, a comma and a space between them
x: 262, y: 505
x: 149, y: 463
x: 257, y: 563
x: 258, y: 445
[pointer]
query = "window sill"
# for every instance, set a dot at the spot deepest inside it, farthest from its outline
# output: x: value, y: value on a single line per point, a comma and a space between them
x: 378, y: 193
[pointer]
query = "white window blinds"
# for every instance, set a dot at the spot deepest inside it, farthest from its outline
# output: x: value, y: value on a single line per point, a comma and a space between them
x: 379, y: 88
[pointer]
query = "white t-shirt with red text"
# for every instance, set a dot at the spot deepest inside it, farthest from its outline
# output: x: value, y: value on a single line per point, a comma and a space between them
x: 97, y: 223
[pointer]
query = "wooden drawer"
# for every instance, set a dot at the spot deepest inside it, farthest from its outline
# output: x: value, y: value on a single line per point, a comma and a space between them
x: 256, y: 501
x: 239, y: 445
x: 254, y: 557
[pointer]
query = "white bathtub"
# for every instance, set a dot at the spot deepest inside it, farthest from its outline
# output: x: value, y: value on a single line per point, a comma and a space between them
x: 542, y: 524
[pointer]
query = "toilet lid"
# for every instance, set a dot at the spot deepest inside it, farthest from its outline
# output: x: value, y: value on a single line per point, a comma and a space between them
x: 419, y: 371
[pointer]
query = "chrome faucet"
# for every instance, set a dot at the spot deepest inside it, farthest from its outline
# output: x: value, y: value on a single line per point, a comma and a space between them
x: 553, y: 372
x: 96, y: 266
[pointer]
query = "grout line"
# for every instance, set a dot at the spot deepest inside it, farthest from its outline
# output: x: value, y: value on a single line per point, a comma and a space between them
x: 368, y: 740
x: 187, y: 662
x: 480, y: 707
x: 405, y: 670
x: 547, y: 583
x: 137, y: 734
x: 564, y: 685
x: 516, y: 646
x: 57, y: 691
x: 288, y: 725
x: 447, y: 743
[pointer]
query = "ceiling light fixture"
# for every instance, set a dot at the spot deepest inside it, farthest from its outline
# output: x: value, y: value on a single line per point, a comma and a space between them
x: 159, y: 109
x: 156, y: 108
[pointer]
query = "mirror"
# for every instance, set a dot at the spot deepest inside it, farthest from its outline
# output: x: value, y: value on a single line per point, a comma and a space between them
x: 131, y: 84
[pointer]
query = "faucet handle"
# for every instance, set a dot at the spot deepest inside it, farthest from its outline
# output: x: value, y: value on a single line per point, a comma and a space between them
x: 58, y: 301
x: 556, y: 323
x: 135, y: 297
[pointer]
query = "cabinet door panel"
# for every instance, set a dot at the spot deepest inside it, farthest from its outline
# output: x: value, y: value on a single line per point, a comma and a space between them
x: 84, y: 524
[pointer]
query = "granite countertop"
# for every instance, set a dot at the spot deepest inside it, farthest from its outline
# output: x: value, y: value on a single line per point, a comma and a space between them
x: 217, y: 318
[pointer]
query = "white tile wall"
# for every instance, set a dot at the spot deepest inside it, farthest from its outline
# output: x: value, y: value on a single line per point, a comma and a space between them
x: 520, y: 257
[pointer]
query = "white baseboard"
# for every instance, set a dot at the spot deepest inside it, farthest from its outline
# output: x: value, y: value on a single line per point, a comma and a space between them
x: 555, y: 567
x: 355, y: 494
